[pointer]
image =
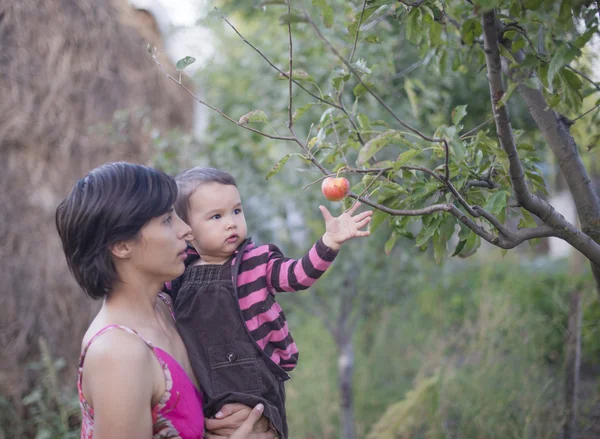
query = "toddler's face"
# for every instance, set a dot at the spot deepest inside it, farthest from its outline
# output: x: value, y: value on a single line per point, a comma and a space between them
x: 217, y: 221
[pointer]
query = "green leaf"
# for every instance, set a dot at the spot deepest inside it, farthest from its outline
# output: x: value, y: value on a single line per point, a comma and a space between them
x: 428, y: 230
x: 412, y: 25
x: 300, y: 111
x: 353, y: 27
x: 292, y: 18
x: 458, y: 113
x: 253, y: 116
x: 363, y: 122
x: 278, y: 166
x: 510, y: 34
x: 459, y: 247
x: 527, y: 221
x: 409, y: 87
x: 506, y: 96
x: 506, y: 54
x: 389, y: 245
x: 373, y: 39
x: 472, y: 243
x: 435, y: 34
x: 565, y: 10
x: 497, y: 202
x: 563, y: 56
x: 582, y: 40
x: 360, y: 89
x: 525, y: 147
x: 471, y: 29
x: 378, y: 218
x: 326, y: 11
x: 184, y: 62
x: 439, y: 247
x: 405, y: 157
x: 374, y: 145
x: 572, y: 79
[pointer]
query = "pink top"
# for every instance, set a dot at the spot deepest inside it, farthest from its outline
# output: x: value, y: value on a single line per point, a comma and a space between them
x: 178, y: 415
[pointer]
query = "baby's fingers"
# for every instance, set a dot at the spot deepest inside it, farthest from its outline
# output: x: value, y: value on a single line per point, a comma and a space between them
x: 363, y: 222
x: 363, y: 215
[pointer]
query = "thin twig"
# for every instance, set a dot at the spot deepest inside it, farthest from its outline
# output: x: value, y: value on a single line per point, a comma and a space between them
x: 415, y: 4
x: 299, y: 84
x: 447, y: 160
x: 358, y: 30
x: 367, y: 88
x: 156, y: 60
x: 291, y: 75
x: 587, y: 78
x: 367, y: 188
x: 468, y: 133
x: 339, y: 144
x: 586, y: 113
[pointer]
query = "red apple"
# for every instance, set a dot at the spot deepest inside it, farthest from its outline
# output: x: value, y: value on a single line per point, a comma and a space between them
x: 335, y: 189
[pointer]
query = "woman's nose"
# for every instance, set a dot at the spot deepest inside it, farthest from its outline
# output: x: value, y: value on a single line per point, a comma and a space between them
x: 185, y: 230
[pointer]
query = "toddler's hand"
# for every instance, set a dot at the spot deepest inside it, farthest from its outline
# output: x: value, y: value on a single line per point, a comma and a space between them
x: 344, y: 227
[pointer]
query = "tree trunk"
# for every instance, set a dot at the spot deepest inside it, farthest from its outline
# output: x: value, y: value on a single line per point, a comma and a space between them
x: 573, y: 348
x: 345, y: 375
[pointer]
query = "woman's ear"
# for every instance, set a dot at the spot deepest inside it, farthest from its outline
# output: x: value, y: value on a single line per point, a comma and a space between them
x: 121, y: 250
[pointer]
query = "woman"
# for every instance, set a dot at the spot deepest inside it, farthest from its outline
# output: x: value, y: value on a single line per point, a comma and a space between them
x: 123, y: 241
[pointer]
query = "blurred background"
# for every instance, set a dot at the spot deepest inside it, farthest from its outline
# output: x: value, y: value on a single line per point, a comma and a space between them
x: 390, y: 341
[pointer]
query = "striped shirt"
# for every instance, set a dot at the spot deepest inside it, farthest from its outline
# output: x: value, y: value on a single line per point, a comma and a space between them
x: 264, y: 270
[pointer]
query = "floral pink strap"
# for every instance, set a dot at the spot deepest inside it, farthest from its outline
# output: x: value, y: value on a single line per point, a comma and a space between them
x: 167, y: 301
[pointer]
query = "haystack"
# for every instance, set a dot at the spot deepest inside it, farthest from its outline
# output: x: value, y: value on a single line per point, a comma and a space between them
x: 77, y: 89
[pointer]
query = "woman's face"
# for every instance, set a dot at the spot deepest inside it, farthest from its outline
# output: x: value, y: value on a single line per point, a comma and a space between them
x: 159, y: 251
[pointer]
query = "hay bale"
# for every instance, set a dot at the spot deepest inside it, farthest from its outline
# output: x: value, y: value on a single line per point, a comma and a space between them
x: 66, y: 67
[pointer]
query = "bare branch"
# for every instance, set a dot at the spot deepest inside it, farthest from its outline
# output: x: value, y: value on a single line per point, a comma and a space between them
x: 586, y: 113
x: 156, y: 60
x: 447, y: 160
x: 482, y: 183
x: 414, y: 4
x: 367, y: 88
x: 587, y: 78
x: 468, y: 133
x: 291, y: 75
x: 358, y: 30
x: 299, y: 84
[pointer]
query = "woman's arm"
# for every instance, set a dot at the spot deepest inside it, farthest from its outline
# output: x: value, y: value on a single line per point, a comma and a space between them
x: 119, y: 382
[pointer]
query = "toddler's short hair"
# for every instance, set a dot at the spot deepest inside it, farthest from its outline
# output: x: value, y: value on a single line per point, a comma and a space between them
x: 190, y: 180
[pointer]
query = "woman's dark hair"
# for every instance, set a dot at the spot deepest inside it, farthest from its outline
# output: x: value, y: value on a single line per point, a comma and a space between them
x: 190, y: 180
x: 111, y: 204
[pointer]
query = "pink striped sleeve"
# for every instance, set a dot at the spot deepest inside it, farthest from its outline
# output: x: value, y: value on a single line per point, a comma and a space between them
x: 253, y: 298
x: 317, y: 261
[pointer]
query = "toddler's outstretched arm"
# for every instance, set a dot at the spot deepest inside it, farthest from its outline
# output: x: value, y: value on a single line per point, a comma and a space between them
x: 286, y: 274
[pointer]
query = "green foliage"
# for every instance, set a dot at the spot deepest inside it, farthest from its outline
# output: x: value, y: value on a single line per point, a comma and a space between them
x: 470, y: 352
x: 426, y: 64
x: 51, y: 412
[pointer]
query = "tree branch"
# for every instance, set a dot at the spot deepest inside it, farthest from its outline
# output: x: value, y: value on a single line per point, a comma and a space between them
x: 586, y: 113
x: 299, y: 84
x: 414, y: 4
x: 176, y: 81
x: 367, y: 88
x: 291, y: 75
x: 587, y: 78
x: 358, y: 30
x: 562, y: 144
